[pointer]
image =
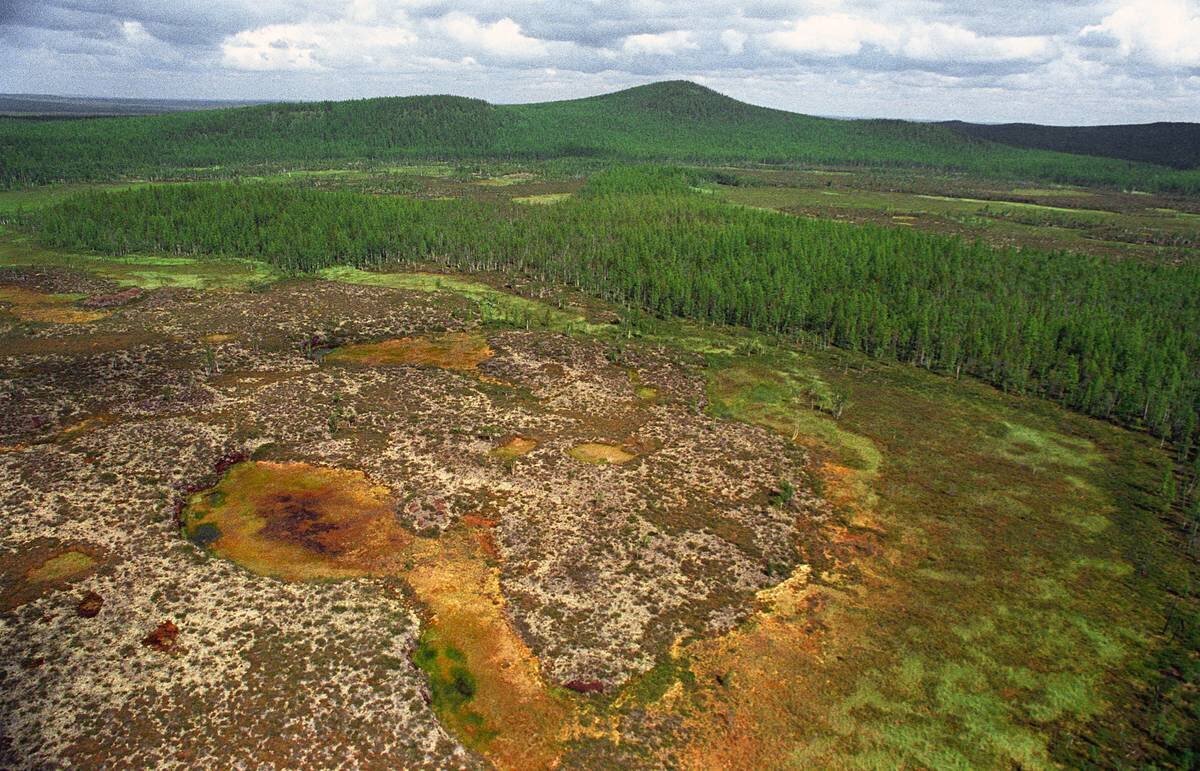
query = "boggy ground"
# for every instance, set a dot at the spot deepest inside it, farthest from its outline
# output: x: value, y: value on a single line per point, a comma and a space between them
x: 476, y: 534
x: 417, y: 536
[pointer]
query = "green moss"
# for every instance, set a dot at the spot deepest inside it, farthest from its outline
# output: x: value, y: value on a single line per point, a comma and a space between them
x: 654, y: 684
x: 1065, y: 694
x: 1045, y: 448
x: 451, y: 686
x: 781, y: 393
x: 1019, y: 606
x: 543, y: 200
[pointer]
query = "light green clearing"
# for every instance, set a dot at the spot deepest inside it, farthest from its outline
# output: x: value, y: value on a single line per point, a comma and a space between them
x: 147, y: 272
x: 1017, y: 205
x: 506, y: 180
x: 1177, y: 213
x: 1045, y: 449
x: 427, y: 170
x: 544, y: 199
x: 494, y: 306
x: 827, y: 173
x: 1063, y: 192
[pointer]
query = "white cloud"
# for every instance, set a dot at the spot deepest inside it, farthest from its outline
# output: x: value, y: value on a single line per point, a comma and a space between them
x: 734, y: 41
x: 503, y: 37
x: 660, y: 44
x: 834, y: 34
x: 945, y: 42
x: 843, y: 34
x: 362, y: 40
x: 135, y: 33
x: 1163, y: 32
x: 314, y: 46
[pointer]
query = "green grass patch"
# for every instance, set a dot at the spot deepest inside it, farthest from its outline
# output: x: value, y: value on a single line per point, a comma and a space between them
x: 543, y: 199
x: 1018, y: 205
x: 145, y: 271
x: 654, y: 684
x: 494, y: 306
x: 451, y: 685
x: 1052, y: 192
x: 1047, y: 449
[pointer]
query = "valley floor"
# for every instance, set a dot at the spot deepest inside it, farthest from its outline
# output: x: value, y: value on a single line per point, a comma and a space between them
x: 414, y: 520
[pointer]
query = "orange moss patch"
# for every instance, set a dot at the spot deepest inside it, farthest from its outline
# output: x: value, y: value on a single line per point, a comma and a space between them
x: 748, y: 716
x: 597, y: 453
x: 28, y: 305
x: 41, y: 567
x: 743, y: 718
x: 514, y: 448
x: 454, y: 351
x: 510, y: 715
x: 85, y: 426
x: 300, y: 522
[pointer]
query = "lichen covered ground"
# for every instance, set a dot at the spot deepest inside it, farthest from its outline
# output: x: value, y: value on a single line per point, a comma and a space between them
x: 380, y: 520
x: 329, y: 523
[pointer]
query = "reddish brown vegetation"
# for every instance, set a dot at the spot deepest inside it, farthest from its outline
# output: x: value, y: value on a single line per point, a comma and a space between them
x: 89, y: 606
x: 584, y: 686
x: 112, y: 300
x: 164, y: 638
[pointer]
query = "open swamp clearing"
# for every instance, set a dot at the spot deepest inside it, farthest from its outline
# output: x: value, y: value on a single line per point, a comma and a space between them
x: 480, y: 527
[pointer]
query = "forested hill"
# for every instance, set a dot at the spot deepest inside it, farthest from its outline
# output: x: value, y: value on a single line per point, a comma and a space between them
x: 1166, y: 144
x: 675, y: 121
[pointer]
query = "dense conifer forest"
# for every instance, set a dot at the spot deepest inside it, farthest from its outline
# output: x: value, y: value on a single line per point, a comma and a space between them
x: 1062, y: 325
x: 679, y: 121
x: 1168, y: 144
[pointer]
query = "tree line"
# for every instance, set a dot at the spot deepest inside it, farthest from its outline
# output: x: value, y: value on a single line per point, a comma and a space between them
x: 1114, y: 339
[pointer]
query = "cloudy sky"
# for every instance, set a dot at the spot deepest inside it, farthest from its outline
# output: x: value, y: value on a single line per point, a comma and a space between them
x: 1052, y: 61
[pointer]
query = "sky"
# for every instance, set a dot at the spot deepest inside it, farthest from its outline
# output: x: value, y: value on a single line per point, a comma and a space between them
x: 1047, y: 61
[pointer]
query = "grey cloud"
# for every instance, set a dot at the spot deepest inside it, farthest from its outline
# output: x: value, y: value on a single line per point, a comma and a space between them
x: 54, y: 42
x: 1098, y: 39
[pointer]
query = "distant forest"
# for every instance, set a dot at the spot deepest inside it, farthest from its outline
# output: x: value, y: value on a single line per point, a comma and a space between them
x: 1062, y: 325
x: 45, y: 106
x: 1167, y: 144
x: 672, y: 122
